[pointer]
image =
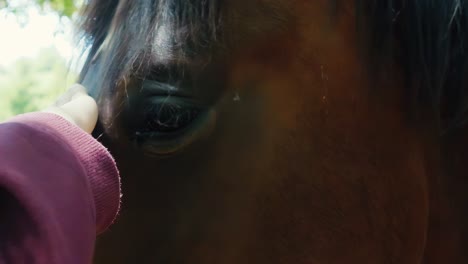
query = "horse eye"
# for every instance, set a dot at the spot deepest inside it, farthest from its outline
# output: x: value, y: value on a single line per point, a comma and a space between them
x: 168, y: 118
x: 166, y: 124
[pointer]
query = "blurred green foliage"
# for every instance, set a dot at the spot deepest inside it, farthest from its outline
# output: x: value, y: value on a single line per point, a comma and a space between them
x: 65, y: 8
x: 31, y: 84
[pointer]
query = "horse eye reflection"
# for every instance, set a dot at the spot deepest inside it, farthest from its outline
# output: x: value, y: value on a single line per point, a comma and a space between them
x: 169, y: 124
x: 168, y: 118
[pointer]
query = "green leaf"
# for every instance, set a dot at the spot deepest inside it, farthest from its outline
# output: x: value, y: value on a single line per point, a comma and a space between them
x: 64, y: 8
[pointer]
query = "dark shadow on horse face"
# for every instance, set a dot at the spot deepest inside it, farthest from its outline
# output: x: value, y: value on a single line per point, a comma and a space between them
x: 255, y: 133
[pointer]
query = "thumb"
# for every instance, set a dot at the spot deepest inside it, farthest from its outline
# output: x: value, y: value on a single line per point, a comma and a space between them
x: 80, y: 109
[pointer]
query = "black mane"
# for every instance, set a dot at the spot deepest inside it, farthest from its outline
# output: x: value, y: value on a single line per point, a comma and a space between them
x: 427, y: 39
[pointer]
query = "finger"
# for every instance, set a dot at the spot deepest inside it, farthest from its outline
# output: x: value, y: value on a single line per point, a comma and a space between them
x: 68, y: 95
x: 83, y: 110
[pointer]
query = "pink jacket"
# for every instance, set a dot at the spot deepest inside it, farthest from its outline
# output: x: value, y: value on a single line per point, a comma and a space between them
x: 59, y: 188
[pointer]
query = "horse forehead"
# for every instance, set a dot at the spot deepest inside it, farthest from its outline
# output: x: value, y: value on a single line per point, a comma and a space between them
x: 187, y: 20
x: 162, y: 44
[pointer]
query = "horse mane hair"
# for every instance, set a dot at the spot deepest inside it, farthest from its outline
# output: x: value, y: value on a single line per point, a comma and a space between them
x: 426, y: 39
x: 119, y: 36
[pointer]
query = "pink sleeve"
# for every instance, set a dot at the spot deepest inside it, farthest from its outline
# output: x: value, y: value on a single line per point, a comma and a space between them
x: 59, y: 188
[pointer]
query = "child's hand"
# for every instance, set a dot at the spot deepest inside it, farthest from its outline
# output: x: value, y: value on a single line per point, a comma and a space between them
x: 78, y: 107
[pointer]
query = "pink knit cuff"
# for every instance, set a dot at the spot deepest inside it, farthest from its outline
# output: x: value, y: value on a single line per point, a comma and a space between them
x: 98, y: 163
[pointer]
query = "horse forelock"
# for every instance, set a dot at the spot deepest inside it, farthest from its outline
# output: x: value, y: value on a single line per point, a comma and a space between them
x: 128, y: 37
x: 142, y: 24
